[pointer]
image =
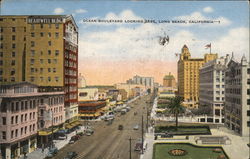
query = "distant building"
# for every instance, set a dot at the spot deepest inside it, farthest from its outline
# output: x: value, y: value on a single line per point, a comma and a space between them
x: 148, y: 82
x: 91, y: 109
x: 188, y: 76
x: 169, y: 81
x: 23, y: 121
x: 212, y: 87
x: 237, y: 96
x: 81, y: 81
x: 131, y: 89
x: 43, y: 50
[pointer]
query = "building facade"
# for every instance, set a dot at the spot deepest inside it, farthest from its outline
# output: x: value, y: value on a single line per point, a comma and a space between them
x: 148, y: 82
x: 212, y: 87
x: 188, y: 76
x: 237, y: 96
x: 43, y: 50
x: 169, y: 81
x: 20, y: 117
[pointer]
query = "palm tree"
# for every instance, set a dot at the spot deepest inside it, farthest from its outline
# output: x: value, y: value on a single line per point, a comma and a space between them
x: 175, y: 107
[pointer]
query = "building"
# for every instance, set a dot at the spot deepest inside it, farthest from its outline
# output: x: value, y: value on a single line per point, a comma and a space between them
x: 237, y: 96
x: 148, y: 82
x: 21, y: 117
x: 87, y: 93
x: 131, y: 89
x: 188, y: 76
x: 169, y: 81
x: 212, y: 87
x: 91, y: 109
x: 81, y: 81
x: 43, y: 50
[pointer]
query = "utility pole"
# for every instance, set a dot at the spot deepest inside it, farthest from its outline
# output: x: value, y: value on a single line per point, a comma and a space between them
x: 147, y: 120
x: 142, y: 134
x: 130, y: 157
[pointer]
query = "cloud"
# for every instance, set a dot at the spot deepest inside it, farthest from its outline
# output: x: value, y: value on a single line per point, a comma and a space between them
x: 208, y: 9
x: 197, y: 16
x: 58, y: 11
x: 80, y: 11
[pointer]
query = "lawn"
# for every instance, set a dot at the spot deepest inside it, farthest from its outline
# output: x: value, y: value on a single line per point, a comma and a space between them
x: 193, y: 152
x: 184, y: 130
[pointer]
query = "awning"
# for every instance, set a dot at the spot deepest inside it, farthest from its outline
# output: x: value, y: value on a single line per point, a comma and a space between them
x: 46, y: 132
x: 90, y: 115
x: 72, y: 125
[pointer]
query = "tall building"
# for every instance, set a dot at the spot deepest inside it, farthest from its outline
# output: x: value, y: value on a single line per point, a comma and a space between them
x: 237, y: 96
x: 81, y: 81
x: 212, y: 87
x: 148, y: 82
x: 188, y: 76
x: 22, y: 112
x: 43, y: 50
x: 169, y: 81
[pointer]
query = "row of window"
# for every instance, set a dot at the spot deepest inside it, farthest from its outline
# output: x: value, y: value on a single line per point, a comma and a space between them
x: 32, y: 70
x: 42, y: 34
x: 49, y: 52
x: 13, y: 54
x: 23, y: 131
x: 42, y: 79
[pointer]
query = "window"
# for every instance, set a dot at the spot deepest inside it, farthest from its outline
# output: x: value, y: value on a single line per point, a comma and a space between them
x: 49, y: 52
x: 4, y: 135
x: 13, y: 46
x: 1, y: 37
x: 1, y: 45
x: 49, y: 43
x: 1, y: 62
x: 248, y: 113
x: 49, y: 79
x: 248, y: 102
x: 16, y: 119
x: 41, y: 26
x: 56, y: 79
x: 1, y: 29
x: 25, y: 129
x: 13, y: 62
x: 13, y: 19
x: 55, y: 61
x: 41, y: 34
x: 24, y: 29
x: 32, y: 52
x: 13, y: 29
x: 25, y: 117
x: 32, y: 34
x: 32, y: 79
x: 32, y: 44
x: 41, y: 70
x: 12, y: 120
x: 12, y: 72
x: 57, y: 26
x: 21, y: 131
x: 32, y: 61
x: 32, y: 70
x: 248, y: 70
x: 217, y: 86
x: 41, y: 61
x: 57, y: 52
x: 41, y: 79
x: 13, y: 37
x: 21, y: 118
x: 57, y: 35
x: 49, y: 60
x: 13, y: 54
x: 49, y: 69
x: 217, y: 98
x: 4, y: 120
x: 54, y: 70
x: 1, y: 54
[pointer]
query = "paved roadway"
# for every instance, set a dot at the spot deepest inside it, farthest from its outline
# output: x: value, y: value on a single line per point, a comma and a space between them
x: 108, y: 142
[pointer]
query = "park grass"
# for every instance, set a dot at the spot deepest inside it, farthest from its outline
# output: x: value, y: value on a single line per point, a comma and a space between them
x: 194, y: 152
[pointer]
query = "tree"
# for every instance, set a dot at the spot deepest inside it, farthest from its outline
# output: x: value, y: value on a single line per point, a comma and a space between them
x: 175, y: 107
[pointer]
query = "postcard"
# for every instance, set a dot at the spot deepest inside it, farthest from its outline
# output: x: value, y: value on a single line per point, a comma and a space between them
x: 124, y: 79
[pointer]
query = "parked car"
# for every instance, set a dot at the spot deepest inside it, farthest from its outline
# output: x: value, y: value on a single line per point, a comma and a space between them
x: 136, y: 127
x: 52, y: 152
x: 120, y: 127
x: 71, y: 155
x: 73, y: 139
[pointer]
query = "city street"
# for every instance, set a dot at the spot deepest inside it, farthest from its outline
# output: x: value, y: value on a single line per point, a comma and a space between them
x: 108, y: 142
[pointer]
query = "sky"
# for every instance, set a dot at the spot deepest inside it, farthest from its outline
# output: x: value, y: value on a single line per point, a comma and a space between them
x: 114, y: 52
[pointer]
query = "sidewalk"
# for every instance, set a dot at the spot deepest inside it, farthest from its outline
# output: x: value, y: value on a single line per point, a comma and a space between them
x: 38, y: 154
